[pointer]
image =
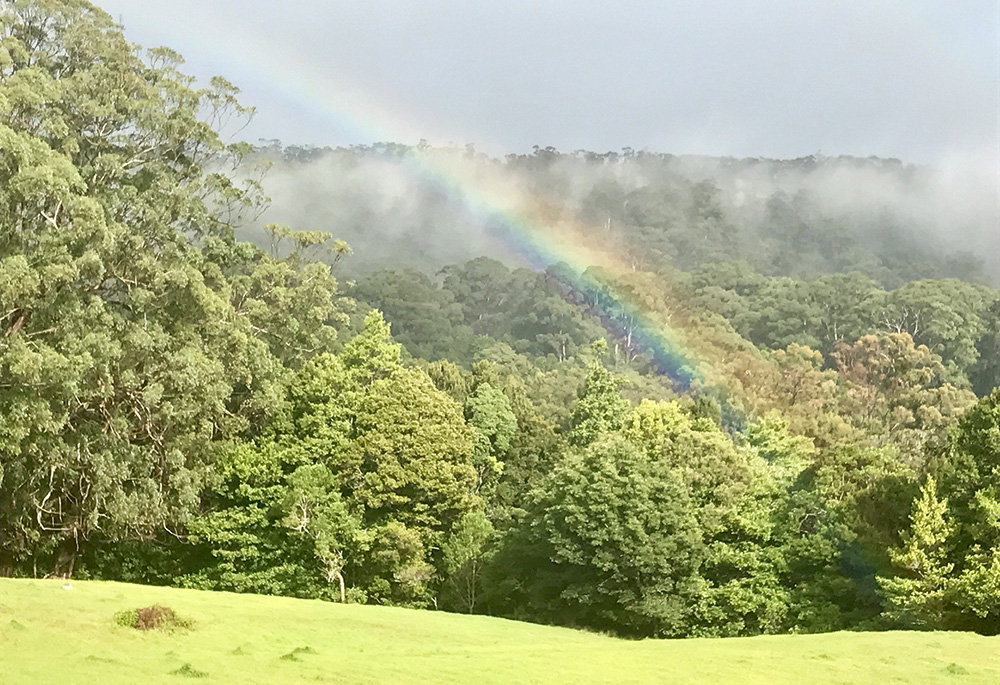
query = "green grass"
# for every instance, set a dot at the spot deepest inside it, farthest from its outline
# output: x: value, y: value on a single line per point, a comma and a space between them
x: 52, y: 635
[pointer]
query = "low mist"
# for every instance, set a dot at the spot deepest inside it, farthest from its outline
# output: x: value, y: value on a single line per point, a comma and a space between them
x: 395, y: 212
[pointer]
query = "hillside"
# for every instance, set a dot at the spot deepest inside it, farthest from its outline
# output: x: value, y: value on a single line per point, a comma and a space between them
x: 421, y: 207
x: 52, y: 635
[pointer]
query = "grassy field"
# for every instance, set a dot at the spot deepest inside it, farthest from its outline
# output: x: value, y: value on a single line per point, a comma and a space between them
x: 49, y: 634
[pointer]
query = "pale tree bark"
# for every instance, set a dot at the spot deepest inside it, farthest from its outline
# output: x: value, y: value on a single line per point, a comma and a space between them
x: 334, y: 571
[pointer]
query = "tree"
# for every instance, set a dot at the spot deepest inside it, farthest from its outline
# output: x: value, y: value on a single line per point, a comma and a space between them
x: 240, y: 542
x: 313, y: 508
x: 969, y: 464
x: 787, y: 454
x: 465, y: 556
x: 489, y: 412
x: 415, y: 455
x: 482, y: 287
x: 846, y: 302
x: 610, y: 542
x: 976, y: 589
x: 426, y: 320
x: 535, y: 448
x: 946, y: 315
x: 600, y: 409
x: 398, y: 567
x: 399, y: 447
x: 136, y: 336
x: 919, y: 597
x: 897, y: 390
x: 829, y: 587
x: 985, y: 373
x: 732, y: 493
x: 369, y: 467
x: 806, y: 394
x: 372, y: 354
x: 968, y: 467
x: 872, y: 489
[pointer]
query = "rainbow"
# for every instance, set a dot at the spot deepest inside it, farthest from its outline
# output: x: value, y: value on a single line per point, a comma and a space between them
x: 520, y: 225
x: 544, y: 242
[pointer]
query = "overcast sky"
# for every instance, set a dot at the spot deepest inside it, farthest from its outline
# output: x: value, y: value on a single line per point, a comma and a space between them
x: 914, y: 79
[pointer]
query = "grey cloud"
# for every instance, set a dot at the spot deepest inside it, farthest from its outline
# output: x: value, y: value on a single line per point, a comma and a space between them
x: 910, y: 79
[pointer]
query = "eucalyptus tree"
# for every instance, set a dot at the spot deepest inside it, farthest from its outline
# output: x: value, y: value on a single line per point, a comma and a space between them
x: 136, y: 334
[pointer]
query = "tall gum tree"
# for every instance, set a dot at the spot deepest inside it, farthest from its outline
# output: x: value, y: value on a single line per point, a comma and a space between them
x: 136, y: 334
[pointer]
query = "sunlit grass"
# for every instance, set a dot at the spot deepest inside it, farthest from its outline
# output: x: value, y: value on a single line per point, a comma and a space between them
x: 49, y: 634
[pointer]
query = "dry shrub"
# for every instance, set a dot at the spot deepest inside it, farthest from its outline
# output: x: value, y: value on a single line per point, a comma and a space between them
x: 148, y: 618
x: 154, y: 617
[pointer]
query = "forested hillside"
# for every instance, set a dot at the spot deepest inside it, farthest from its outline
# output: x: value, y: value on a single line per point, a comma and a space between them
x: 892, y: 221
x: 771, y: 408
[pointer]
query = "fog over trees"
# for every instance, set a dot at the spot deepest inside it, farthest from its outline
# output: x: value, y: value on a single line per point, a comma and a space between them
x: 880, y: 216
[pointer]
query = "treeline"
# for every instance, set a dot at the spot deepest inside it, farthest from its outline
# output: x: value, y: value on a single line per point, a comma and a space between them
x: 432, y: 486
x: 178, y: 406
x: 555, y: 313
x: 892, y: 222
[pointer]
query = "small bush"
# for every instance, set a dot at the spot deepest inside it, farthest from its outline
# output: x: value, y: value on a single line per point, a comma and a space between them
x: 356, y: 596
x: 189, y: 671
x: 150, y: 618
x: 126, y: 618
x: 955, y: 669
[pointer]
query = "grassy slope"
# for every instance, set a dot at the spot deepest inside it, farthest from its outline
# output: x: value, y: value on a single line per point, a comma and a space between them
x: 52, y: 635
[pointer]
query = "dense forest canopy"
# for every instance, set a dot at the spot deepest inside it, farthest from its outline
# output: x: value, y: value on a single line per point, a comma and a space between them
x: 782, y: 416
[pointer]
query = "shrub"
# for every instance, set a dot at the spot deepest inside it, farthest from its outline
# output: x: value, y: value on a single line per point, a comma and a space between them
x: 153, y: 617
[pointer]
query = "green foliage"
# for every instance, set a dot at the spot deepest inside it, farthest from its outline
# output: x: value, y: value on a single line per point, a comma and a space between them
x: 601, y: 410
x: 415, y: 452
x: 525, y: 309
x: 361, y: 478
x: 732, y: 493
x: 918, y: 597
x: 946, y: 315
x: 138, y: 337
x: 489, y: 412
x: 786, y: 453
x: 155, y: 617
x: 985, y: 373
x: 829, y: 585
x: 125, y: 618
x: 951, y: 318
x: 610, y: 542
x: 970, y: 464
x: 314, y: 509
x: 897, y: 390
x: 466, y: 554
x: 535, y: 447
x: 241, y: 543
x: 426, y: 319
x: 976, y: 588
x: 969, y: 472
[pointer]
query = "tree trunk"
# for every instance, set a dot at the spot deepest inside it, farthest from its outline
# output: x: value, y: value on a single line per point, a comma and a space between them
x: 333, y: 572
x: 343, y: 594
x: 66, y: 558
